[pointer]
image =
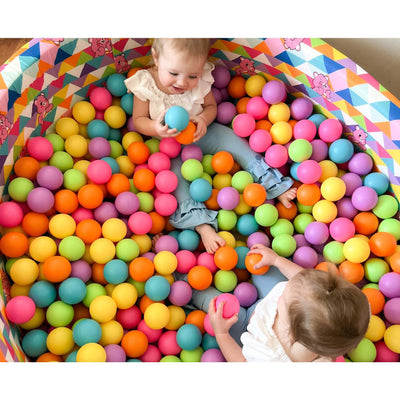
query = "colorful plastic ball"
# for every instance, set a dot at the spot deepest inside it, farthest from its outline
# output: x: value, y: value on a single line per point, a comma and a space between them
x: 375, y: 268
x: 83, y: 112
x: 247, y: 224
x: 222, y: 162
x: 284, y: 244
x: 254, y: 85
x: 383, y: 244
x: 226, y: 111
x: 86, y: 331
x: 115, y: 84
x: 257, y: 107
x: 72, y: 248
x: 324, y: 211
x: 97, y: 128
x: 228, y: 198
x: 212, y: 355
x: 115, y: 271
x: 333, y: 188
x: 192, y: 169
x: 91, y: 352
x: 244, y: 125
x: 304, y: 129
x: 281, y: 132
x: 14, y: 244
x: 386, y: 206
x: 40, y: 148
x: 43, y: 293
x: 309, y: 171
x: 364, y: 198
x: 72, y: 290
x: 236, y: 87
x: 225, y: 281
x: 103, y: 308
x: 300, y: 150
x: 11, y: 214
x: 200, y: 277
x: 389, y: 284
x: 356, y: 250
x: 260, y: 140
x: 127, y: 203
x: 114, y: 353
x: 254, y: 194
x: 170, y: 146
x: 279, y: 112
x: 129, y: 318
x: 168, y: 345
x: 274, y: 92
x: 99, y: 171
x: 157, y: 288
x: 188, y: 240
x: 378, y: 181
x: 384, y: 354
x: 360, y: 163
x: 102, y: 250
x: 320, y: 149
x: 342, y: 229
x: 276, y: 156
x: 158, y: 162
x: 221, y: 76
x: 166, y: 181
x: 341, y: 150
x: 180, y: 293
x: 127, y: 103
x: 330, y: 130
x: 301, y: 108
x: 101, y: 98
x: 140, y: 223
x: 177, y: 118
x: 364, y: 352
x: 165, y: 204
x: 20, y: 309
x: 390, y: 225
x: 231, y: 304
x: 165, y: 262
x: 49, y: 177
x: 200, y: 190
x: 226, y: 219
x: 60, y: 341
x: 391, y: 310
x: 240, y: 180
x: 186, y: 260
x: 19, y: 188
x: 192, y: 151
x: 246, y: 293
x: 115, y: 117
x: 59, y: 314
x: 392, y: 338
x: 157, y: 315
x: 188, y: 337
x: 34, y: 343
x: 266, y: 214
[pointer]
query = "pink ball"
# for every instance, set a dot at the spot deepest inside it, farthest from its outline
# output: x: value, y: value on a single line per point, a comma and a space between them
x: 304, y: 129
x: 246, y: 293
x: 165, y: 204
x: 345, y: 208
x: 244, y: 125
x: 258, y: 237
x: 316, y: 232
x: 129, y: 125
x: 166, y: 181
x: 226, y: 111
x: 300, y: 240
x: 170, y: 146
x: 105, y: 211
x: 140, y: 223
x: 301, y: 108
x: 384, y: 354
x: 158, y: 162
x: 114, y: 353
x: 306, y: 257
x: 127, y: 203
x: 212, y: 355
x: 330, y: 130
x: 152, y: 354
x: 99, y: 171
x: 260, y: 140
x: 342, y: 229
x: 40, y: 148
x: 152, y: 334
x: 207, y: 325
x: 391, y: 310
x: 191, y: 151
x: 207, y: 260
x: 180, y: 293
x: 360, y: 163
x: 168, y: 344
x: 40, y: 200
x: 257, y: 107
x: 82, y: 213
x: 276, y: 156
x: 309, y: 171
x: 11, y: 214
x: 100, y: 98
x: 389, y: 284
x: 221, y: 76
x: 50, y: 177
x: 231, y: 306
x: 320, y: 150
x: 99, y: 147
x: 166, y: 242
x: 186, y: 260
x: 20, y: 309
x: 130, y: 317
x: 81, y: 269
x: 228, y: 198
x: 364, y: 198
x: 274, y: 92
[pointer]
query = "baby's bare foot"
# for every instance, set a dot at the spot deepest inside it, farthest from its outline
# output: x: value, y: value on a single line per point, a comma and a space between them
x: 286, y: 197
x: 211, y: 240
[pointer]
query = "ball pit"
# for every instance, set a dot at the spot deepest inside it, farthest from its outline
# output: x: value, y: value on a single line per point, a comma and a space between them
x: 79, y: 168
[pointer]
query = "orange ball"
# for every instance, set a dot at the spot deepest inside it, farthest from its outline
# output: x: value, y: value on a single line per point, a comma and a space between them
x: 241, y: 105
x: 145, y: 301
x: 308, y: 194
x: 263, y: 124
x: 287, y: 213
x: 351, y: 271
x: 132, y: 71
x: 187, y: 135
x: 35, y: 224
x: 159, y: 222
x: 254, y: 194
x: 88, y: 230
x: 375, y: 298
x: 98, y: 274
x: 138, y: 152
x: 144, y: 179
x: 394, y: 261
x: 27, y: 167
x: 236, y: 87
x: 383, y: 244
x: 49, y: 357
x: 196, y: 317
x: 212, y: 203
x: 243, y: 275
x: 226, y: 258
x: 251, y: 260
x: 199, y: 277
x: 141, y: 269
x: 366, y: 223
x: 90, y: 196
x: 14, y: 244
x: 66, y: 201
x: 56, y: 268
x: 118, y: 183
x: 134, y: 343
x: 222, y: 162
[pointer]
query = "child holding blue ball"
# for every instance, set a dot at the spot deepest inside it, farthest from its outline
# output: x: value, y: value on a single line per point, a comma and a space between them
x: 181, y: 75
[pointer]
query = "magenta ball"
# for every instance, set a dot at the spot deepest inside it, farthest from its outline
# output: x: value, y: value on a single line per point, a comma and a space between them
x: 152, y: 334
x: 105, y: 211
x: 140, y: 223
x: 256, y: 238
x: 231, y: 306
x: 228, y: 198
x: 40, y: 148
x: 226, y: 111
x: 221, y: 76
x: 300, y: 240
x: 158, y: 161
x: 180, y: 293
x: 391, y: 310
x: 389, y: 284
x: 166, y: 242
x: 207, y: 325
x: 352, y: 181
x: 257, y: 107
x: 99, y: 171
x: 309, y: 171
x: 11, y: 214
x: 330, y: 130
x: 260, y: 140
x: 191, y: 151
x: 130, y: 317
x: 342, y: 229
x: 100, y: 98
x: 152, y: 354
x: 212, y: 355
x: 364, y: 198
x: 246, y: 293
x: 301, y: 108
x: 99, y: 147
x: 384, y: 354
x: 360, y: 163
x: 50, y: 177
x: 319, y: 150
x: 244, y: 125
x: 170, y: 146
x: 165, y: 204
x: 20, y: 309
x: 276, y: 156
x: 186, y: 260
x: 82, y: 213
x: 40, y: 200
x: 114, y: 353
x: 217, y: 94
x: 81, y: 269
x: 304, y: 129
x: 168, y: 345
x: 166, y: 181
x: 345, y: 208
x: 127, y: 203
x: 274, y: 92
x: 316, y: 232
x: 306, y: 257
x: 207, y: 260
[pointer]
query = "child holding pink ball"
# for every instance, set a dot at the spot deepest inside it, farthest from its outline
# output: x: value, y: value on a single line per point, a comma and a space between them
x: 181, y: 75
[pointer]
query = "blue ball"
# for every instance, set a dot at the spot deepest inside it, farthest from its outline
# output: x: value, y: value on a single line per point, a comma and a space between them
x: 43, y: 293
x: 188, y: 337
x: 157, y: 288
x: 115, y: 134
x: 72, y: 356
x: 113, y: 163
x: 209, y: 342
x: 293, y: 170
x: 177, y: 117
x: 188, y: 240
x: 116, y: 85
x: 317, y: 119
x: 200, y: 190
x: 116, y: 271
x: 98, y: 128
x: 242, y: 253
x: 127, y: 103
x: 377, y: 181
x: 72, y: 290
x: 340, y: 151
x: 86, y: 331
x: 34, y: 343
x: 247, y: 224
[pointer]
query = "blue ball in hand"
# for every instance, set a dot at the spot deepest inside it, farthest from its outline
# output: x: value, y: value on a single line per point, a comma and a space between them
x: 177, y: 117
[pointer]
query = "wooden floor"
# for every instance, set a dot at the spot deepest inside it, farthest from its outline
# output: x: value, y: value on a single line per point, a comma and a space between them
x: 9, y: 46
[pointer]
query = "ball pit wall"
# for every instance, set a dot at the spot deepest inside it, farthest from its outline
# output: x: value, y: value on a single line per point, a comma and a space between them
x: 46, y: 77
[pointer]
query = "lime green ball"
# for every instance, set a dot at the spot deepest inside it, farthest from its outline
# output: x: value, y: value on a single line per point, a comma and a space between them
x: 192, y: 355
x: 386, y: 207
x: 375, y: 268
x: 93, y: 290
x: 72, y: 248
x: 206, y: 162
x: 284, y: 244
x: 62, y: 160
x: 146, y: 201
x: 281, y: 226
x: 371, y: 285
x: 9, y: 263
x: 132, y: 187
x: 116, y: 149
x: 19, y: 188
x: 266, y: 214
x: 390, y: 225
x: 153, y: 145
x: 226, y: 219
x: 59, y: 314
x: 225, y: 281
x: 74, y: 179
x: 207, y: 177
x: 300, y: 150
x: 301, y: 221
x: 191, y: 169
x: 364, y: 352
x: 302, y: 209
x: 127, y: 249
x: 333, y: 252
x: 241, y: 179
x: 170, y: 359
x: 138, y: 285
x: 56, y: 140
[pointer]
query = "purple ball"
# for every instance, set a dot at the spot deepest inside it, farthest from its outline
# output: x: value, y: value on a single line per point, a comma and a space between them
x: 81, y: 269
x: 258, y: 237
x: 217, y: 94
x: 389, y: 284
x: 316, y: 233
x: 40, y: 200
x: 345, y: 208
x: 50, y: 177
x: 99, y: 147
x: 180, y: 293
x: 306, y: 257
x: 221, y: 76
x: 224, y: 94
x: 191, y: 151
x: 226, y: 111
x: 212, y: 355
x: 166, y: 242
x: 115, y: 353
x: 150, y: 255
x: 130, y: 125
x: 364, y: 198
x: 274, y: 92
x: 319, y: 150
x: 300, y: 240
x: 360, y: 163
x: 301, y: 108
x: 352, y: 181
x: 127, y: 203
x: 246, y: 293
x: 228, y: 198
x: 105, y: 211
x: 391, y: 310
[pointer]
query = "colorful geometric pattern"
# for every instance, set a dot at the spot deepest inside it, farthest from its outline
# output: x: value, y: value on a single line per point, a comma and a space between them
x: 41, y: 82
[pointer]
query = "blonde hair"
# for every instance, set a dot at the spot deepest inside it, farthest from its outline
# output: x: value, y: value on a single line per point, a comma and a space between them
x: 330, y: 315
x: 194, y: 47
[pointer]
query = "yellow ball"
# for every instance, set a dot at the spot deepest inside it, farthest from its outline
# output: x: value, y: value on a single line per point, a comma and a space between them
x: 114, y: 229
x: 103, y: 308
x: 42, y: 247
x: 143, y: 241
x: 91, y: 352
x: 82, y: 165
x: 281, y: 132
x: 111, y: 333
x: 356, y: 250
x: 221, y: 180
x: 37, y: 320
x: 131, y: 137
x: 66, y: 127
x: 24, y: 271
x: 83, y: 112
x: 76, y: 146
x: 20, y: 290
x: 324, y: 211
x: 115, y: 117
x: 126, y: 166
x: 392, y: 338
x: 228, y: 237
x: 254, y: 85
x: 60, y: 341
x: 376, y: 329
x: 157, y: 316
x: 278, y: 112
x: 328, y: 168
x: 242, y: 208
x: 165, y: 262
x: 124, y: 295
x: 62, y: 225
x: 333, y: 188
x: 102, y: 250
x: 177, y: 318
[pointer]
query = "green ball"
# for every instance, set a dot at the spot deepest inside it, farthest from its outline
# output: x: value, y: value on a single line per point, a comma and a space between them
x: 127, y: 249
x: 116, y: 149
x: 146, y: 201
x: 153, y: 145
x: 284, y: 244
x: 138, y: 285
x: 390, y: 225
x: 170, y: 359
x: 56, y: 140
x: 364, y: 352
x: 301, y: 221
x: 72, y: 247
x: 206, y: 162
x: 300, y: 150
x: 302, y: 209
x: 333, y: 252
x: 59, y: 314
x: 375, y: 268
x: 386, y: 207
x: 62, y: 160
x: 19, y: 188
x: 192, y: 169
x: 226, y: 219
x: 281, y: 226
x: 207, y: 177
x: 74, y: 179
x: 266, y: 214
x: 371, y: 285
x: 241, y: 179
x: 192, y: 355
x: 225, y: 281
x: 92, y: 291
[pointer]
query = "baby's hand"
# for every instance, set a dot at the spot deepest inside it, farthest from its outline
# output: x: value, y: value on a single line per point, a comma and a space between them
x: 268, y: 255
x: 201, y: 127
x: 220, y: 324
x: 163, y: 130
